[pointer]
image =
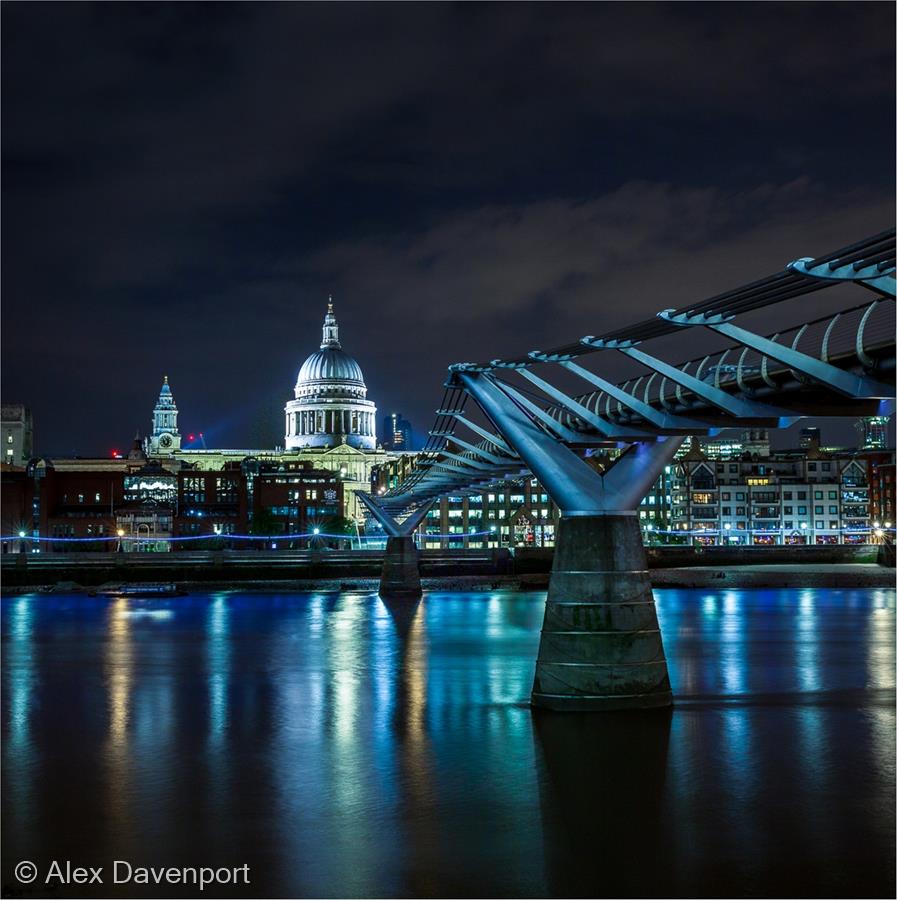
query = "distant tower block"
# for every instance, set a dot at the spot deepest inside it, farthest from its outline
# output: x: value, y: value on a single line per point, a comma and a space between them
x: 874, y: 431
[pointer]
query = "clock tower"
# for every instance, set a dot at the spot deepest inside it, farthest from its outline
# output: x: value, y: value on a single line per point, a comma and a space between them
x: 165, y: 438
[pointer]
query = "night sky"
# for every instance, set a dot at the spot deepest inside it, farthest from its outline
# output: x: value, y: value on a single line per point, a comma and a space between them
x: 183, y: 186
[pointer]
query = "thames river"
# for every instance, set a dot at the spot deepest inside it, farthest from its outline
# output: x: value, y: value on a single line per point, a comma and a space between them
x: 342, y: 747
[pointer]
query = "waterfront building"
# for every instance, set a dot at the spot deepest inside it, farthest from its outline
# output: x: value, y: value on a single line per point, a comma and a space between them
x: 882, y: 489
x: 211, y: 502
x: 147, y: 505
x: 73, y: 499
x: 14, y: 521
x: 298, y: 500
x: 794, y: 497
x: 144, y: 521
x: 16, y: 434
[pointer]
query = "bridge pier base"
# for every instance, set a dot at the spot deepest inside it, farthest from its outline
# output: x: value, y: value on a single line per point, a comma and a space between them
x: 400, y: 578
x: 601, y: 647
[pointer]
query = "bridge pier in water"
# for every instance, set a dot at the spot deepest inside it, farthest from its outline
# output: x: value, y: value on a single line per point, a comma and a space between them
x: 601, y: 647
x: 400, y: 577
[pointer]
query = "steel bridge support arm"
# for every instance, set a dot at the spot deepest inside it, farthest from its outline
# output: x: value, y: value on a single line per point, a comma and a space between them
x: 858, y: 387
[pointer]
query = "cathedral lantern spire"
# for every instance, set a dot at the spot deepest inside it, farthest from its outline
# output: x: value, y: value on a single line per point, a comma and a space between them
x: 331, y: 329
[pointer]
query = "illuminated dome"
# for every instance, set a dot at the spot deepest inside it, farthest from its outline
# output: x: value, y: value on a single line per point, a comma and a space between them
x: 330, y: 406
x: 329, y: 364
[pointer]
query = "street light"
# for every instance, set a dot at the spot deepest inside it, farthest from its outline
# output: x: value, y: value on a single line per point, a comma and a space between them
x: 121, y: 534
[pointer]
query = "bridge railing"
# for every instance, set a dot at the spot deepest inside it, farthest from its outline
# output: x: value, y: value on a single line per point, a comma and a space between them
x: 839, y: 363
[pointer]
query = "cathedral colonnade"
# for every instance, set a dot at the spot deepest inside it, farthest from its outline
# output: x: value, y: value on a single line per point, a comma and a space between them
x: 330, y: 422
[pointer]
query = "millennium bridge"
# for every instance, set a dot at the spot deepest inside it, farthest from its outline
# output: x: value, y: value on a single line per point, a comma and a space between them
x: 540, y: 413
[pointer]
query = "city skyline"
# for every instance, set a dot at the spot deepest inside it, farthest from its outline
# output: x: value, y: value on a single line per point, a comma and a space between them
x: 201, y: 181
x: 448, y: 449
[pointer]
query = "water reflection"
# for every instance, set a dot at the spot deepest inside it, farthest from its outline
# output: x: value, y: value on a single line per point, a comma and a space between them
x: 345, y: 746
x: 602, y: 781
x: 20, y: 679
x: 21, y: 668
x: 118, y: 663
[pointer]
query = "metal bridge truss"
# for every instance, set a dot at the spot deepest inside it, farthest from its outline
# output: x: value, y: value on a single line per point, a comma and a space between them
x: 840, y: 364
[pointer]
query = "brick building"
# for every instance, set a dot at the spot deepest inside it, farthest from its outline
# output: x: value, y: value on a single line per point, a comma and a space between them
x: 293, y: 498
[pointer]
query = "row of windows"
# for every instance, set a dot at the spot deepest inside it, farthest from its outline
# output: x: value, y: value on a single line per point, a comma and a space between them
x: 519, y: 499
x: 762, y: 469
x: 83, y: 498
x: 297, y: 511
x: 773, y: 511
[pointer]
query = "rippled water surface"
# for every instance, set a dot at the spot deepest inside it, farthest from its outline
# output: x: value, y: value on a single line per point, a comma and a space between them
x: 343, y: 747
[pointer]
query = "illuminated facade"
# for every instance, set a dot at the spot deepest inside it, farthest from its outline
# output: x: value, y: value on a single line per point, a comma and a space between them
x: 165, y: 438
x: 329, y: 425
x: 397, y: 433
x: 792, y: 497
x: 330, y: 405
x: 874, y: 430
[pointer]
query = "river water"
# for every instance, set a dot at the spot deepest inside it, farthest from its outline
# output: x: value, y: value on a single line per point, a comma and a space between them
x: 342, y: 747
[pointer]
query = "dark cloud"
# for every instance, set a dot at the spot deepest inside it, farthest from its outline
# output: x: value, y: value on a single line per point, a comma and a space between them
x: 184, y: 183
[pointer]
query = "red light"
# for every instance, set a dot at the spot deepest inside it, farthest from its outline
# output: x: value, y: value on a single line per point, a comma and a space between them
x: 116, y: 454
x: 190, y: 437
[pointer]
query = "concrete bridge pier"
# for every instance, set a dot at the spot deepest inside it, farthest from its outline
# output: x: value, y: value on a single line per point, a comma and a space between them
x: 400, y: 576
x: 601, y: 647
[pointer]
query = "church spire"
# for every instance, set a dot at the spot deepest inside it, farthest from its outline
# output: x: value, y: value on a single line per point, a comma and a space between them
x: 331, y: 329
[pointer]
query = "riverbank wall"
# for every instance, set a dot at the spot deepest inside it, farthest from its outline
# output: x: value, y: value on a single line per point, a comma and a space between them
x: 671, y: 566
